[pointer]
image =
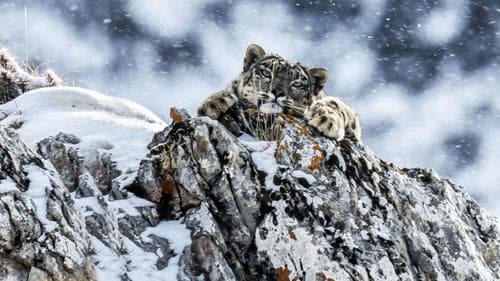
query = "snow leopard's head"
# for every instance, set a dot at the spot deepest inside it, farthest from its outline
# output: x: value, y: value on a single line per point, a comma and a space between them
x: 272, y: 84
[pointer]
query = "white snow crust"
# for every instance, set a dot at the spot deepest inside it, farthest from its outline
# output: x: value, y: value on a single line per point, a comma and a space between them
x: 122, y: 127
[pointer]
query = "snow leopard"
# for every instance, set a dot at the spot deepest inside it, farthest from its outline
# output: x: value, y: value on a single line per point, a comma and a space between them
x: 270, y: 89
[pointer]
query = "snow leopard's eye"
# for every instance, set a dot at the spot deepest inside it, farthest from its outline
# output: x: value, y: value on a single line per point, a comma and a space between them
x: 266, y: 73
x: 266, y: 64
x: 298, y: 84
x: 298, y: 89
x: 262, y: 70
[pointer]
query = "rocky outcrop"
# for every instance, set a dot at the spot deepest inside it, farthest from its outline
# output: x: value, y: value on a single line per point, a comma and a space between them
x: 83, y: 232
x: 75, y: 170
x: 118, y: 223
x: 41, y: 235
x: 309, y: 208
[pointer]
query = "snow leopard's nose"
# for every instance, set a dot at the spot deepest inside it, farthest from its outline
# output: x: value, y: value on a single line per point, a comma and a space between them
x: 278, y: 92
x: 279, y: 85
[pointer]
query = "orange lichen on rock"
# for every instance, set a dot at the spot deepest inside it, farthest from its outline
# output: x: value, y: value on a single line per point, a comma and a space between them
x: 176, y: 115
x: 282, y: 149
x: 315, y: 162
x: 283, y: 274
x: 168, y: 188
x: 293, y: 120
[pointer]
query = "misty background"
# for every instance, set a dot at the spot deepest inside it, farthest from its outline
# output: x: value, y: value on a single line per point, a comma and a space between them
x: 423, y: 75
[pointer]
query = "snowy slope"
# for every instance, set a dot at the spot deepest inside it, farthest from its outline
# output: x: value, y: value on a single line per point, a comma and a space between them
x: 120, y: 126
x: 121, y: 129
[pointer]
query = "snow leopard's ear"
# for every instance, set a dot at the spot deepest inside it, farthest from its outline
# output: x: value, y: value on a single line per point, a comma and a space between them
x: 319, y: 77
x: 254, y: 53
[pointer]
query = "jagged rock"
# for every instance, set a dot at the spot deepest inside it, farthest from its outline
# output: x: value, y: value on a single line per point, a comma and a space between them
x: 41, y: 232
x: 112, y: 221
x: 65, y: 159
x: 44, y: 234
x: 87, y: 186
x: 73, y: 168
x: 126, y: 240
x: 102, y: 169
x: 308, y: 208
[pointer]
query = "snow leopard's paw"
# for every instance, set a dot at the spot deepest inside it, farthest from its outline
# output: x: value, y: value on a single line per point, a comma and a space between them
x: 217, y: 104
x: 326, y: 119
x: 333, y: 118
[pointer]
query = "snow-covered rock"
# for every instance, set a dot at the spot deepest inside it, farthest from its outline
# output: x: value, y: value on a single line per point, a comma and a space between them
x: 97, y: 188
x: 309, y: 208
x: 41, y: 229
x: 96, y: 143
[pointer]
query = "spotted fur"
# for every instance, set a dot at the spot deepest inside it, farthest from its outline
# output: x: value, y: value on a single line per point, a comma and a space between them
x: 271, y: 86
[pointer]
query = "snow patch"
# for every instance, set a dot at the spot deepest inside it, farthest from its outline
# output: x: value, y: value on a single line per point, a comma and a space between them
x: 37, y: 191
x: 129, y: 205
x: 7, y: 185
x: 121, y: 127
x: 262, y: 153
x: 137, y: 263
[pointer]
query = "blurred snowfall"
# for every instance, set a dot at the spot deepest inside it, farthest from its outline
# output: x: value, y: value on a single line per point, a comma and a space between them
x: 424, y: 75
